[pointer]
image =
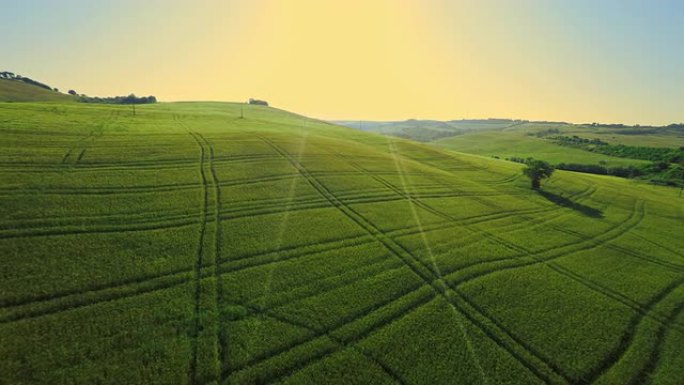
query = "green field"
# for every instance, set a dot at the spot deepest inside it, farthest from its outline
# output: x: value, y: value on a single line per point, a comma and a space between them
x: 183, y: 244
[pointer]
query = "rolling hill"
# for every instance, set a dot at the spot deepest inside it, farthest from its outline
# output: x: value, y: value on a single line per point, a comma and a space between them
x: 429, y: 130
x: 513, y: 131
x: 532, y: 139
x: 520, y: 144
x: 649, y: 153
x: 18, y: 91
x: 184, y: 244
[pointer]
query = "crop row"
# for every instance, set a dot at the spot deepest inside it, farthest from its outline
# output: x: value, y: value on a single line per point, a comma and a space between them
x: 615, y: 234
x: 528, y: 358
x: 136, y: 189
x: 108, y: 223
x: 354, y: 326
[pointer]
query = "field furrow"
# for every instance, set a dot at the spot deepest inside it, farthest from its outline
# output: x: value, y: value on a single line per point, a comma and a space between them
x: 521, y: 352
x: 234, y: 244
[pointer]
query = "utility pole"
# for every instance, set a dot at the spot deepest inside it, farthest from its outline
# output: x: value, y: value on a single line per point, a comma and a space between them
x: 242, y: 111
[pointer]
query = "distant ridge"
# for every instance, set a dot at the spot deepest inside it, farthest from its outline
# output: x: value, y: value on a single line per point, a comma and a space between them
x: 425, y: 130
x: 17, y: 88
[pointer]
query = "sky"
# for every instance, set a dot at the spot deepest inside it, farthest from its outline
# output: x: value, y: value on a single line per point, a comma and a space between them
x: 564, y: 60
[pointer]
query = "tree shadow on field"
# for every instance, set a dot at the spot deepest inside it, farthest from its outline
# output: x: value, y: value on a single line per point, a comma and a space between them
x: 566, y: 202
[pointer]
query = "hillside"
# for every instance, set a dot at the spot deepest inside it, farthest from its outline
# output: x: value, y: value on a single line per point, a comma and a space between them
x: 655, y: 154
x: 535, y: 139
x: 508, y: 129
x: 649, y: 153
x: 183, y: 244
x: 518, y: 143
x: 18, y: 91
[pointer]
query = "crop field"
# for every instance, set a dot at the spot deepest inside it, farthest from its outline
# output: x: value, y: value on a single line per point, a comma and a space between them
x: 182, y: 244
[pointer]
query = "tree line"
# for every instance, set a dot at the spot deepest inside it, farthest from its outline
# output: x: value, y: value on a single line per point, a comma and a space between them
x: 653, y: 154
x: 621, y: 171
x: 662, y: 173
x: 12, y: 76
x: 130, y: 99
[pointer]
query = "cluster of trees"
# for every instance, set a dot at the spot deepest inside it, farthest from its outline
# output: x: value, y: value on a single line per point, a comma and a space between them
x: 488, y: 120
x: 614, y: 125
x: 130, y: 99
x: 549, y: 122
x: 517, y: 159
x: 608, y: 125
x: 656, y: 172
x: 664, y: 173
x: 544, y: 133
x: 577, y: 141
x: 621, y: 171
x: 637, y: 129
x: 258, y: 102
x: 654, y: 154
x: 647, y: 130
x: 12, y: 76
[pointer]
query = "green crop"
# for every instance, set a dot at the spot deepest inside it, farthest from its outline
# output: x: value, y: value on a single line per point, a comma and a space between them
x: 184, y: 244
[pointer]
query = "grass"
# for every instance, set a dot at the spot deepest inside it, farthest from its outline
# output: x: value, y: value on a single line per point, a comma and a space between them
x: 18, y: 91
x: 184, y: 244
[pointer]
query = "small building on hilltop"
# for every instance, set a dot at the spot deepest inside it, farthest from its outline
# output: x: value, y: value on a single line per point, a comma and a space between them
x: 258, y: 102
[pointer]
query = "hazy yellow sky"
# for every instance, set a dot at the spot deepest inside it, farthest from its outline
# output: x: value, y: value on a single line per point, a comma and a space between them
x: 617, y: 61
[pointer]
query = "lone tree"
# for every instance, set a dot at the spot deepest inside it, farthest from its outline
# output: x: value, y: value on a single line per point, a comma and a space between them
x: 537, y: 170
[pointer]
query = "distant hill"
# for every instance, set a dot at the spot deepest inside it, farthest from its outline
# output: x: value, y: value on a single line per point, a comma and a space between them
x: 647, y: 152
x: 17, y: 88
x: 429, y: 130
x: 13, y: 90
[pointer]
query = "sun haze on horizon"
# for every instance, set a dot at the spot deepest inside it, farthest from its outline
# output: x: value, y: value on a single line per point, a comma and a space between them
x: 577, y: 61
